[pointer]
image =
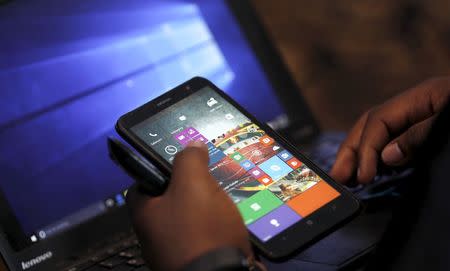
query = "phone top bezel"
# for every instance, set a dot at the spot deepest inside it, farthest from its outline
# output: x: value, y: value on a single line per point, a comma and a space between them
x: 304, y: 232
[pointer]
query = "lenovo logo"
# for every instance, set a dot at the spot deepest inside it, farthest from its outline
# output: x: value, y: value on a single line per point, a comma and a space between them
x: 37, y: 260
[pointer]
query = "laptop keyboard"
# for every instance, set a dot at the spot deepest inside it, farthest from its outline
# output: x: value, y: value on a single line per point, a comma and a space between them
x: 124, y: 256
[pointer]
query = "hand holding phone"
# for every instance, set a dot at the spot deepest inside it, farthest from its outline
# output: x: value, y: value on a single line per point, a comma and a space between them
x: 194, y: 215
x: 285, y: 200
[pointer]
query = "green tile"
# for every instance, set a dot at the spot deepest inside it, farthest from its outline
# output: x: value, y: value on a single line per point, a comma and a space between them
x: 258, y: 205
x: 237, y: 156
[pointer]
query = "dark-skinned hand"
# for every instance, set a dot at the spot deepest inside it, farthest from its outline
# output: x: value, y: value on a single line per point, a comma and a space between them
x: 192, y: 217
x: 390, y: 133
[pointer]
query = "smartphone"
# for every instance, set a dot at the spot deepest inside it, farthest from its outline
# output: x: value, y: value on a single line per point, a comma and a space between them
x: 285, y: 200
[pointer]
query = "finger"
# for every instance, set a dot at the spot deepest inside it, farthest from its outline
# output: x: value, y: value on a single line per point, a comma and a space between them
x: 394, y: 118
x: 190, y: 167
x: 139, y: 204
x: 401, y: 150
x: 347, y: 156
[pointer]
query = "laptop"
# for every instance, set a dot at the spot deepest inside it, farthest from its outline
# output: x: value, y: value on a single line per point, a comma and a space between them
x: 70, y: 68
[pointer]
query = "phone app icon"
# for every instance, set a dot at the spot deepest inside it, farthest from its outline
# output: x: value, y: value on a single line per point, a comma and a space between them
x: 255, y: 207
x: 274, y: 222
x: 294, y: 163
x: 266, y: 140
x: 171, y: 149
x: 275, y: 168
x: 256, y: 172
x: 247, y: 164
x: 229, y: 116
x: 211, y: 102
x: 192, y: 132
x: 237, y: 157
x: 285, y: 155
x: 258, y: 205
x: 182, y: 138
x: 265, y: 180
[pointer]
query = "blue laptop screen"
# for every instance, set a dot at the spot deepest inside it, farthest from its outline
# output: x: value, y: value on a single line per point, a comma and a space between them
x: 68, y: 71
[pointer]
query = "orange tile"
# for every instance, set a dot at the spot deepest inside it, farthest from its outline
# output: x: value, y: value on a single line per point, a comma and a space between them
x: 266, y: 140
x: 313, y: 198
x: 265, y: 180
x: 294, y: 163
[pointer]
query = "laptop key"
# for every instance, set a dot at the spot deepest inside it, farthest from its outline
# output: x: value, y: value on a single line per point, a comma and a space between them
x: 112, y: 262
x: 80, y: 266
x: 130, y: 253
x: 99, y: 257
x: 136, y: 262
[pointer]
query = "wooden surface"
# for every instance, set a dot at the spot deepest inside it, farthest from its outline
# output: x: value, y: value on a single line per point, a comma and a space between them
x: 350, y: 55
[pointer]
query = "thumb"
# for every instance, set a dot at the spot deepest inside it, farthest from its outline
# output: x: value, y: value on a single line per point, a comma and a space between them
x: 190, y: 165
x: 401, y: 150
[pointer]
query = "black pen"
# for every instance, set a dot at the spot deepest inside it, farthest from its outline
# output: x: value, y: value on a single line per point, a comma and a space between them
x: 137, y: 167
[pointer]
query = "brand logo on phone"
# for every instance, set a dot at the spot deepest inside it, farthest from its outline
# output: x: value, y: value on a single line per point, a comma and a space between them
x: 163, y: 101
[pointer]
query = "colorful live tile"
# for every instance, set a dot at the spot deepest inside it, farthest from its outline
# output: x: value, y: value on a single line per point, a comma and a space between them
x: 215, y: 155
x: 191, y: 132
x: 313, y: 198
x: 294, y: 163
x: 258, y: 205
x: 274, y: 222
x: 238, y: 157
x: 256, y: 172
x: 275, y: 168
x: 183, y: 138
x: 265, y: 180
x: 285, y: 155
x: 266, y: 140
x: 296, y: 182
x: 247, y: 165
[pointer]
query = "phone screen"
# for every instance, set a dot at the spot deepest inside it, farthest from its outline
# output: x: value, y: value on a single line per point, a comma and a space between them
x: 272, y: 189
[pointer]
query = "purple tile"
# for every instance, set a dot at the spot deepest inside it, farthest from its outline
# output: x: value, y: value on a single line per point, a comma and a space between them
x: 199, y: 137
x: 182, y: 137
x: 274, y: 222
x: 257, y: 172
x: 191, y: 132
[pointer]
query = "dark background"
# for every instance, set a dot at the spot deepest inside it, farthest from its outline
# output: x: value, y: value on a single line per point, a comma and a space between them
x: 350, y: 55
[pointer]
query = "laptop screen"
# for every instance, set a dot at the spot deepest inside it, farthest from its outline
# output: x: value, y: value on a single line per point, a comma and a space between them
x: 68, y: 70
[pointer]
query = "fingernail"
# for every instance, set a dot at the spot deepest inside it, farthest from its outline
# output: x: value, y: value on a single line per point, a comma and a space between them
x: 196, y: 144
x: 358, y: 173
x: 392, y: 154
